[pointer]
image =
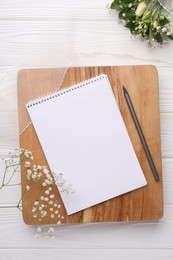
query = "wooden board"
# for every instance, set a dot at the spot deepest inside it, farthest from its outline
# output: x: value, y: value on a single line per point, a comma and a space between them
x: 142, y: 84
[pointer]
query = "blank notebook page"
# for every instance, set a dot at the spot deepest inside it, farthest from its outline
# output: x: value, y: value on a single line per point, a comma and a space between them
x: 83, y: 136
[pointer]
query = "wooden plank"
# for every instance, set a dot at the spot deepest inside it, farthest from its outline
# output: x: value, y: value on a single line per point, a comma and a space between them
x: 11, y: 195
x: 141, y: 81
x: 40, y: 43
x: 142, y: 235
x: 77, y: 254
x: 165, y: 90
x: 44, y: 10
x: 166, y: 136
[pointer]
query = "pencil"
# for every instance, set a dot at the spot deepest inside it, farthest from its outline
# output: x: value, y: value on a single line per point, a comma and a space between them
x: 140, y: 133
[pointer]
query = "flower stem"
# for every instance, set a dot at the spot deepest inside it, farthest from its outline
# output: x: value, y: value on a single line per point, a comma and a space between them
x: 16, y: 184
x: 21, y: 198
x: 6, y: 207
x: 5, y: 171
x: 15, y: 170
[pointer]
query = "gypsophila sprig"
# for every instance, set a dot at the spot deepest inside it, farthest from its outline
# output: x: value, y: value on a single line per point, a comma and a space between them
x: 44, y: 204
x: 145, y: 19
x: 62, y: 185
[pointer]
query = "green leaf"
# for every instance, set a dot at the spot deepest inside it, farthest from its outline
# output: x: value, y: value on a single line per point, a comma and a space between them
x: 163, y: 21
x: 131, y: 26
x: 128, y: 1
x: 171, y: 37
x: 115, y: 5
x: 158, y: 37
x: 151, y: 32
x: 120, y: 15
x: 130, y: 14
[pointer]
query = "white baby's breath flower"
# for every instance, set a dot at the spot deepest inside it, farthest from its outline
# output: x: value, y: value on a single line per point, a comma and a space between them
x: 42, y: 198
x: 34, y: 210
x: 43, y: 213
x: 50, y: 181
x: 29, y: 172
x: 59, y: 206
x: 51, y: 202
x: 27, y: 154
x: 45, y: 170
x: 46, y: 199
x: 39, y: 167
x: 39, y: 229
x: 34, y: 167
x: 59, y: 222
x: 56, y: 212
x: 62, y: 185
x: 47, y: 192
x: 47, y: 174
x: 51, y: 209
x: 44, y: 184
x: 39, y: 175
x: 36, y: 202
x: 51, y: 230
x: 52, y: 216
x: 34, y: 176
x: 52, y: 196
x: 27, y: 164
x: 164, y: 29
x: 168, y: 33
x: 27, y: 187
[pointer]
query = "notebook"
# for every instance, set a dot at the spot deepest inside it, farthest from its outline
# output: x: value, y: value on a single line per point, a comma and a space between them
x: 83, y: 136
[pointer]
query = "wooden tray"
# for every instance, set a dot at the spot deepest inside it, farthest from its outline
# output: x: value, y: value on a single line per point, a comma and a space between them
x: 142, y: 84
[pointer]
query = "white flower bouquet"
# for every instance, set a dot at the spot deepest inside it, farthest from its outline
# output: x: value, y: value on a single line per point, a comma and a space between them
x: 146, y: 19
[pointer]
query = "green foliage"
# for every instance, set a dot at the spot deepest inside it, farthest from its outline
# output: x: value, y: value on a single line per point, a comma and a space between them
x: 116, y: 5
x: 171, y: 37
x: 144, y: 18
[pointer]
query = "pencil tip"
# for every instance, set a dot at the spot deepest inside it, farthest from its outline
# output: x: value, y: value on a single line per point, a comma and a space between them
x: 157, y: 178
x: 124, y: 89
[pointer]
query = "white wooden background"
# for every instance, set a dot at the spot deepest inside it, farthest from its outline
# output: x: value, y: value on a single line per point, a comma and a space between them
x: 39, y: 33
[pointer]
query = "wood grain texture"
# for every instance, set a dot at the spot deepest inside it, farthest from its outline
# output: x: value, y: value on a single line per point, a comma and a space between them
x: 40, y: 43
x: 142, y: 84
x: 42, y: 10
x: 120, y: 235
x: 11, y: 196
x: 76, y: 254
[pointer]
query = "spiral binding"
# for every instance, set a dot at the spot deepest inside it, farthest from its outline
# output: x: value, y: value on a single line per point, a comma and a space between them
x: 59, y: 93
